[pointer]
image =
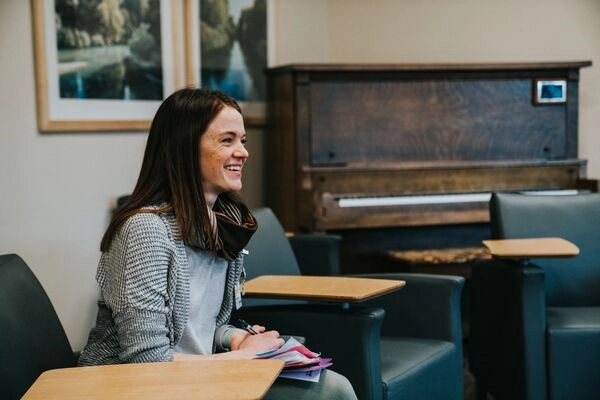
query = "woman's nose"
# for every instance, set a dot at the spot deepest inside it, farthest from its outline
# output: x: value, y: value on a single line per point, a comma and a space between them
x: 241, y: 151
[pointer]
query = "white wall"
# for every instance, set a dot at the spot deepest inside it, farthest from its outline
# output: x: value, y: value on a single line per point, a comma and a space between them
x: 56, y: 190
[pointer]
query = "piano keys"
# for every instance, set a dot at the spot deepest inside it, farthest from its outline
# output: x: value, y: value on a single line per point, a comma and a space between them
x: 434, y: 199
x: 411, y: 200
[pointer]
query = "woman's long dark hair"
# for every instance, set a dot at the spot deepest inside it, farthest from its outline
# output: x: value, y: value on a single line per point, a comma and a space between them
x: 170, y: 172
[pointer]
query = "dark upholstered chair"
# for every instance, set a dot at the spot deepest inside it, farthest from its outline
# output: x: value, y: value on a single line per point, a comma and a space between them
x: 535, y: 326
x: 415, y: 352
x: 32, y: 338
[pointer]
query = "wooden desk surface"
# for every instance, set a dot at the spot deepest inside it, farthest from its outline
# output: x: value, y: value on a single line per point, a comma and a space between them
x: 321, y: 288
x: 457, y: 255
x: 209, y: 379
x: 531, y: 248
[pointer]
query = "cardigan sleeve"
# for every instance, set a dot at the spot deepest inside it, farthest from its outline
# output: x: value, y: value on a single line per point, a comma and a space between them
x: 134, y: 279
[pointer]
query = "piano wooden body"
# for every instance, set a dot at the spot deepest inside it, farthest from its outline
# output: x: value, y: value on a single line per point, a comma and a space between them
x: 406, y: 156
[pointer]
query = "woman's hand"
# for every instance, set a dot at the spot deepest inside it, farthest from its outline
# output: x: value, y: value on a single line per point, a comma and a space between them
x: 255, y: 344
x: 243, y: 346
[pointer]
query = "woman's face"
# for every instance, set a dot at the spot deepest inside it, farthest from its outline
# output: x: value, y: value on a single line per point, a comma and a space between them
x: 223, y: 154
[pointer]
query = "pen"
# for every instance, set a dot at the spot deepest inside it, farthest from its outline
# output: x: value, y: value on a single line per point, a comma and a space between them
x: 246, y: 326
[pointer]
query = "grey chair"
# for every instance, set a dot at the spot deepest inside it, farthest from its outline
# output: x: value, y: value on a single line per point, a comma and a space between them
x: 32, y: 338
x: 535, y: 325
x: 403, y: 345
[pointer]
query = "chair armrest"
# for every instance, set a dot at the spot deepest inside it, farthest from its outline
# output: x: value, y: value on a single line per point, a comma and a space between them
x: 429, y: 306
x: 349, y: 336
x: 507, y: 328
x: 316, y: 253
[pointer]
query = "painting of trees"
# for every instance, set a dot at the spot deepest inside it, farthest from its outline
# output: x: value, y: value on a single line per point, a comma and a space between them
x: 109, y: 49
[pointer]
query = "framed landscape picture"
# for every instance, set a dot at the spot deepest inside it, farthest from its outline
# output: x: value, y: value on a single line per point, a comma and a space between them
x: 229, y: 43
x: 102, y: 65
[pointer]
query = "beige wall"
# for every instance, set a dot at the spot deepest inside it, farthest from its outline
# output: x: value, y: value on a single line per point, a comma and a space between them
x: 56, y: 189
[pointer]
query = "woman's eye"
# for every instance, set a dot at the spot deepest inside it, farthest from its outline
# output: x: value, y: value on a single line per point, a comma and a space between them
x: 244, y: 141
x: 227, y: 140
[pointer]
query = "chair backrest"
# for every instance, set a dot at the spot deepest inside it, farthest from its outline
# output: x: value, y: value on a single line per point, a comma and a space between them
x: 32, y: 339
x: 269, y: 253
x: 568, y: 281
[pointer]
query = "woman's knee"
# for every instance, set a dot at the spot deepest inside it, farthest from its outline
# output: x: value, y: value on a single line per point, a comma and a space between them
x: 331, y: 386
x: 337, y: 386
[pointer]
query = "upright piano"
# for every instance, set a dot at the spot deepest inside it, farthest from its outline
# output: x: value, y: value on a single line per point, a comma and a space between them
x: 406, y: 156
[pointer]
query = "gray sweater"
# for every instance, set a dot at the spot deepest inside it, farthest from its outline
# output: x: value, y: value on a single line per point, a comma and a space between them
x: 145, y: 293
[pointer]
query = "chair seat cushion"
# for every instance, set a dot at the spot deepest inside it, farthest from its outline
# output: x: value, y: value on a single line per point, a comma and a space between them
x: 573, y: 342
x: 403, y: 361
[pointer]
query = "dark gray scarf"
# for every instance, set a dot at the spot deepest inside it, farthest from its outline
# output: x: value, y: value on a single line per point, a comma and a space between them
x: 231, y: 225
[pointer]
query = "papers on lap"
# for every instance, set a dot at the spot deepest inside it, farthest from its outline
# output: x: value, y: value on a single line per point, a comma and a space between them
x: 300, y: 362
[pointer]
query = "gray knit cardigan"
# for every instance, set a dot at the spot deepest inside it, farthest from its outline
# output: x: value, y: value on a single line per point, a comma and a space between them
x: 145, y: 294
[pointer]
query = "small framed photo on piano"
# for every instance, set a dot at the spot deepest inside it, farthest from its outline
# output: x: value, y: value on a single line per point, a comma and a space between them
x: 549, y: 91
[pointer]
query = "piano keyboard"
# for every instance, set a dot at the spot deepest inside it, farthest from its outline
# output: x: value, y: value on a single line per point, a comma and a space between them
x: 413, y: 200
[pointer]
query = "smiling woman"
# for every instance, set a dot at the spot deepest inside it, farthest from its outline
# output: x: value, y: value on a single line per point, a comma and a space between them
x: 224, y: 146
x: 172, y: 257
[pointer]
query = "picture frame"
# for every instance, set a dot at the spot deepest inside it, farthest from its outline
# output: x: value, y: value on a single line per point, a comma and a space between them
x: 253, y: 108
x: 87, y: 81
x: 549, y: 91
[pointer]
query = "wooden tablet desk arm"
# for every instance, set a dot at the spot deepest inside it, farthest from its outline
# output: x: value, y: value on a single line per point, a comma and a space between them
x: 508, y: 307
x: 350, y: 335
x: 524, y: 249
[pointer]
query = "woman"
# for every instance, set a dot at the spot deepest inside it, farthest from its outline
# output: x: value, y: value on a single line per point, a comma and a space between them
x: 172, y: 257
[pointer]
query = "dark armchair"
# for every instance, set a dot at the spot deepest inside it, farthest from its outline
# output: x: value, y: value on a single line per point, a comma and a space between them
x: 31, y: 335
x: 535, y: 325
x: 403, y: 345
